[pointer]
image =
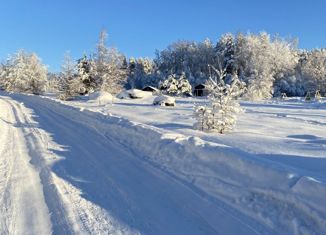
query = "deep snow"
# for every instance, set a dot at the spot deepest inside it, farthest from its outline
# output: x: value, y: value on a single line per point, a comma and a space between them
x: 131, y: 167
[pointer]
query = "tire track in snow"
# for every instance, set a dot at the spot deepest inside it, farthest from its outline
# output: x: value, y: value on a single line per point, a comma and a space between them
x: 21, y: 201
x: 35, y: 144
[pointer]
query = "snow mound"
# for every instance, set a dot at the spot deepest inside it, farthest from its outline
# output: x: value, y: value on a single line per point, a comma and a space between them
x: 134, y: 94
x: 101, y: 96
x: 164, y: 100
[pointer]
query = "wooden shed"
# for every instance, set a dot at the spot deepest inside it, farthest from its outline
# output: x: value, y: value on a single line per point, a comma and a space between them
x: 200, y: 90
x: 150, y: 88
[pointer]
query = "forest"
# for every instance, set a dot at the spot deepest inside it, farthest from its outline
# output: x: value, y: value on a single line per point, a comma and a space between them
x: 267, y: 66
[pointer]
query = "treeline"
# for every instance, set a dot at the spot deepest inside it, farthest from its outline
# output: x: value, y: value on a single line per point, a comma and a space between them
x: 267, y: 65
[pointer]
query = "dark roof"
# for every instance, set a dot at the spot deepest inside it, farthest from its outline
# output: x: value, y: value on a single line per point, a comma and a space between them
x: 149, y: 88
x: 200, y: 86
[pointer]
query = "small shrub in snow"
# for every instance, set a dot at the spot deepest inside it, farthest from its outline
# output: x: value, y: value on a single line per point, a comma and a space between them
x: 220, y: 114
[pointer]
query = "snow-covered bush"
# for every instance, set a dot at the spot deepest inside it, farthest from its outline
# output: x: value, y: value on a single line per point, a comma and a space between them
x: 176, y: 86
x: 164, y: 100
x: 220, y: 114
x: 24, y: 72
x: 291, y: 86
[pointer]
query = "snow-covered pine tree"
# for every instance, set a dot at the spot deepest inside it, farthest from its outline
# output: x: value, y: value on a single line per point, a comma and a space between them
x: 169, y: 85
x: 184, y: 87
x: 220, y: 114
x: 175, y: 85
x: 85, y: 72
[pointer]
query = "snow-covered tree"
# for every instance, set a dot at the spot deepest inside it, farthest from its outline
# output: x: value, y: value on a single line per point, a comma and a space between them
x: 170, y: 85
x: 70, y: 83
x: 110, y: 71
x: 220, y: 114
x: 85, y: 73
x: 262, y: 59
x: 226, y: 47
x: 24, y: 72
x: 53, y: 82
x: 184, y: 87
x: 313, y: 71
x: 187, y: 57
x: 142, y: 72
x: 175, y: 85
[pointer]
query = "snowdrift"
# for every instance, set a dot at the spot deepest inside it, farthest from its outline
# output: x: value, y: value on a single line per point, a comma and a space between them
x: 164, y: 100
x: 101, y: 97
x: 134, y: 94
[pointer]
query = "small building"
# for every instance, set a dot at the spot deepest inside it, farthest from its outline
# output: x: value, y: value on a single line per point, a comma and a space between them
x: 201, y: 90
x: 150, y: 88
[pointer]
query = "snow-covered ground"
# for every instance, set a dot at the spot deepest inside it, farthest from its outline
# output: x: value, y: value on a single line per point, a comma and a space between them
x: 290, y: 132
x: 131, y: 167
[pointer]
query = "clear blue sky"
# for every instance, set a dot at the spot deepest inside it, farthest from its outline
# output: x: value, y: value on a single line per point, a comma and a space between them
x: 138, y: 27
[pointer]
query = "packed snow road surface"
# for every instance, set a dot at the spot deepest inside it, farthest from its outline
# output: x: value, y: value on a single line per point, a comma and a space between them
x: 64, y: 177
x: 70, y: 171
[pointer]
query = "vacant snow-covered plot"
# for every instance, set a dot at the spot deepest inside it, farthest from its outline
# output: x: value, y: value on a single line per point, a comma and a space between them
x: 291, y: 132
x: 148, y: 172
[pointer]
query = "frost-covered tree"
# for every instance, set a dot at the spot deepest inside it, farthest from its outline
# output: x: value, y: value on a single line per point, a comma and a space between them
x: 70, y: 83
x: 110, y: 70
x: 175, y: 85
x: 261, y: 60
x: 3, y: 72
x: 220, y: 114
x: 53, y: 82
x: 313, y: 71
x: 226, y: 47
x: 184, y: 87
x: 24, y: 72
x: 85, y: 73
x: 187, y: 57
x: 170, y: 85
x: 142, y: 72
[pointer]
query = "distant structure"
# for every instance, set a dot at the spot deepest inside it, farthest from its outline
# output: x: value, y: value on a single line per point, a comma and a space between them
x: 283, y: 96
x: 308, y: 96
x: 200, y: 90
x: 151, y: 89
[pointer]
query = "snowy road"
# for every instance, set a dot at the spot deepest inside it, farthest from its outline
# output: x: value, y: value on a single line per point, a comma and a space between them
x: 60, y: 174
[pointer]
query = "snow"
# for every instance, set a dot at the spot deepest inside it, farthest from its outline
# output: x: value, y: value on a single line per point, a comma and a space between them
x: 101, y: 97
x: 164, y: 100
x: 134, y: 94
x: 132, y: 167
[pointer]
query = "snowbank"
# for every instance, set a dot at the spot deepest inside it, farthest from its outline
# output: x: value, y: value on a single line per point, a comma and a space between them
x: 164, y: 100
x: 134, y: 94
x: 101, y: 97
